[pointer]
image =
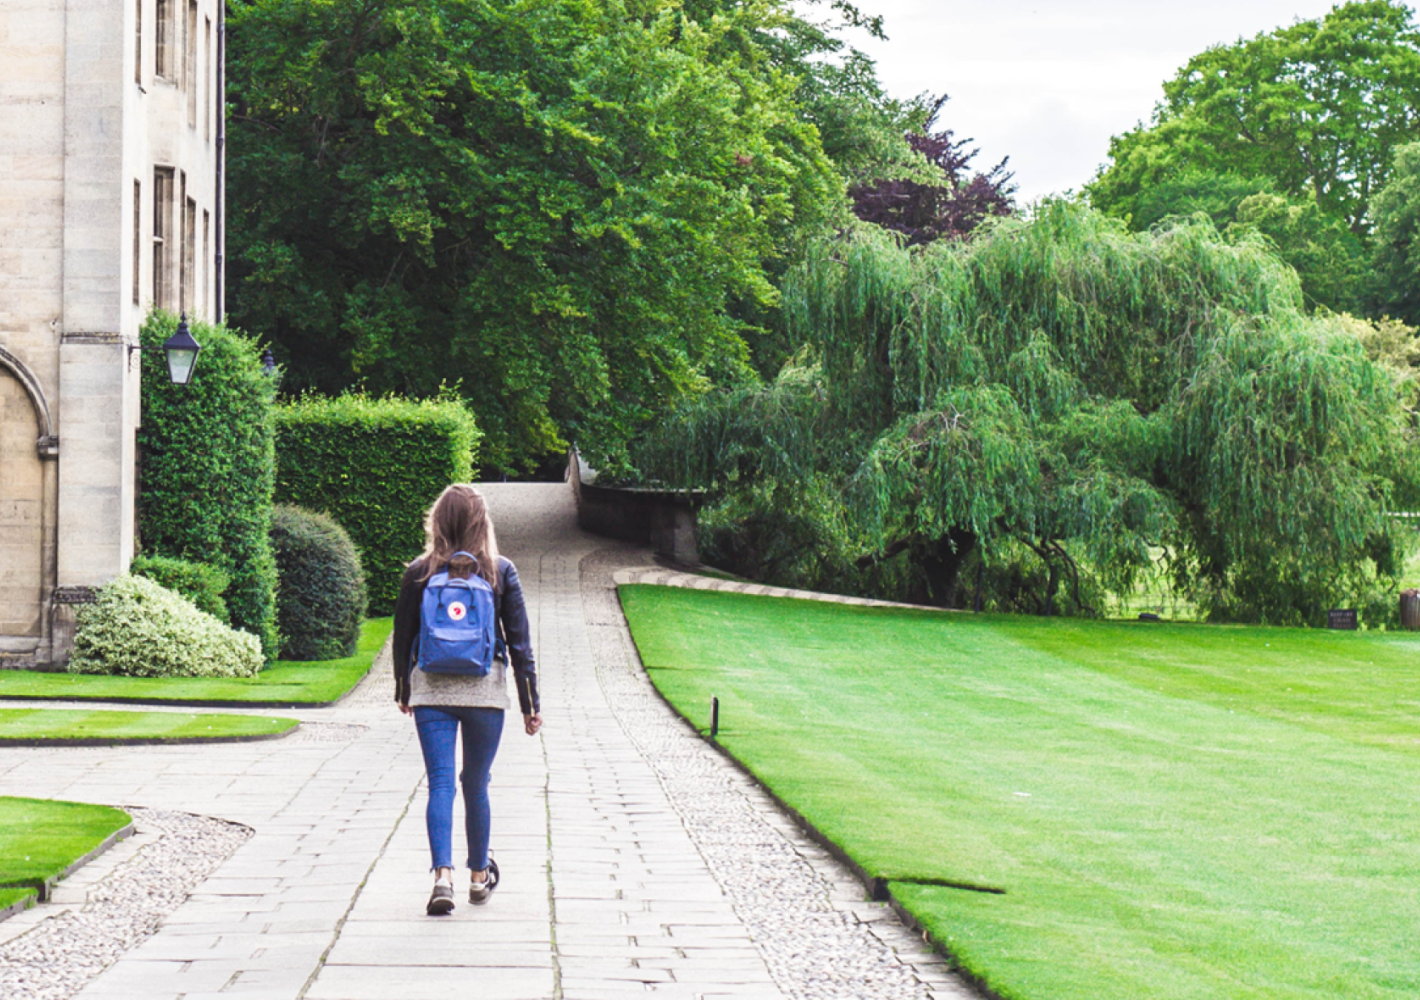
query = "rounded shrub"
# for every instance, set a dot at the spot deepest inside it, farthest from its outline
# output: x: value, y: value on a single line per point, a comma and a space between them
x: 320, y: 596
x: 138, y: 628
x: 201, y: 583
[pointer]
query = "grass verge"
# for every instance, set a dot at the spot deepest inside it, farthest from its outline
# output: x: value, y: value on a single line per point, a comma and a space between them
x: 284, y: 682
x: 1172, y: 811
x: 48, y: 725
x: 40, y: 839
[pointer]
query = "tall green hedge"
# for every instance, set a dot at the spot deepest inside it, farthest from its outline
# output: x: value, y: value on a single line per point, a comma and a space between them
x: 207, y: 468
x: 374, y: 465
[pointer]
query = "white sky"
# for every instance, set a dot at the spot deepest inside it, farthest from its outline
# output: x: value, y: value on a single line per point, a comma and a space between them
x: 1047, y: 82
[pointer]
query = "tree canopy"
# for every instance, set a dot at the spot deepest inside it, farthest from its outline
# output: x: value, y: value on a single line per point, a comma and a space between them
x: 947, y: 204
x: 1316, y: 108
x: 1397, y: 238
x: 1062, y: 405
x: 572, y: 211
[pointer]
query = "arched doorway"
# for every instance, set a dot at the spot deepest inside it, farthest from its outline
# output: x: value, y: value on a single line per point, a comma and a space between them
x: 24, y: 425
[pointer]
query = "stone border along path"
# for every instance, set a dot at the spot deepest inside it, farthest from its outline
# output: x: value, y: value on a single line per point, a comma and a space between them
x: 635, y: 858
x: 694, y: 581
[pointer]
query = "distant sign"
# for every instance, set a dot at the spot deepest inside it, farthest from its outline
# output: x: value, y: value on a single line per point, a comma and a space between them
x: 1341, y: 618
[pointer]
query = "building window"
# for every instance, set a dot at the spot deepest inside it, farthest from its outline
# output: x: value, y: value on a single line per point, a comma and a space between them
x: 163, y: 42
x: 211, y: 80
x: 189, y: 256
x: 162, y: 237
x: 137, y: 236
x: 206, y: 255
x: 189, y: 72
x: 138, y: 42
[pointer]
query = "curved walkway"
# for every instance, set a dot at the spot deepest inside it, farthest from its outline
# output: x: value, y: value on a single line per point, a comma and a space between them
x: 635, y: 860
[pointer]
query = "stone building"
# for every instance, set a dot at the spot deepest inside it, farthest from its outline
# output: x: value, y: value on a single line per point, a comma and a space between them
x: 110, y: 205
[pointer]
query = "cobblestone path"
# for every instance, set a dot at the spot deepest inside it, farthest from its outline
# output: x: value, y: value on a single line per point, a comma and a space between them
x: 635, y: 860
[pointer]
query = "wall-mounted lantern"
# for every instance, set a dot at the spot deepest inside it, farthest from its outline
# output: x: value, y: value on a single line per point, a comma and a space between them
x: 181, y: 351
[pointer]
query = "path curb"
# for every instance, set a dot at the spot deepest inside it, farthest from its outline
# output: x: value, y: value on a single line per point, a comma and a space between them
x: 19, y: 905
x: 45, y: 890
x: 145, y: 741
x: 694, y: 581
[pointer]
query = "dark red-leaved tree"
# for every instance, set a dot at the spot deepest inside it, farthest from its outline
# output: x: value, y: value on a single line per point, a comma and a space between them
x: 927, y: 212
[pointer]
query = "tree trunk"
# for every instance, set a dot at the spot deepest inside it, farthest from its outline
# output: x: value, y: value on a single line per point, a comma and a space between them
x: 941, y: 563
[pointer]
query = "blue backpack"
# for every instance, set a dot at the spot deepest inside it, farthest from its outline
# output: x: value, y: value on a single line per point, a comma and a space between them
x: 457, y: 625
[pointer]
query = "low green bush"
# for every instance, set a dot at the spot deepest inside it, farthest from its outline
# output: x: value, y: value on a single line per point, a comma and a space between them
x: 320, y: 595
x: 201, y: 583
x: 375, y: 465
x: 208, y: 467
x: 138, y: 628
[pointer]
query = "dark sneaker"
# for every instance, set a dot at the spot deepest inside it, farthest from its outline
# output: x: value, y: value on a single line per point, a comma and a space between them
x: 478, y: 892
x: 441, y: 900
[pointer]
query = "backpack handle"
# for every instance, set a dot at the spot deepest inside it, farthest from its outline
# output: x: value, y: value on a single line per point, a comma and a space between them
x: 476, y: 563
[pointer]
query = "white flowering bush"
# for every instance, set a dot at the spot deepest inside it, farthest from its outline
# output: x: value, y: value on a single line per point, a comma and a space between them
x: 140, y: 629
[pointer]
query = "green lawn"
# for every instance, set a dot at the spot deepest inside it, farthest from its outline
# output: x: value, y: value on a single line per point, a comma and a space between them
x: 283, y: 683
x: 40, y: 838
x: 1172, y: 811
x: 59, y: 725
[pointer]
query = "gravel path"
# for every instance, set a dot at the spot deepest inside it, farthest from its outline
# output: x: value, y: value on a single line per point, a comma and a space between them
x: 57, y: 957
x: 804, y: 911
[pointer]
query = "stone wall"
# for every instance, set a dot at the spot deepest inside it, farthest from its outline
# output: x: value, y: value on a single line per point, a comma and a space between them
x: 87, y: 124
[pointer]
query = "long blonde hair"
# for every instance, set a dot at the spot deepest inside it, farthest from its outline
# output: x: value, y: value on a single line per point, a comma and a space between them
x: 459, y: 522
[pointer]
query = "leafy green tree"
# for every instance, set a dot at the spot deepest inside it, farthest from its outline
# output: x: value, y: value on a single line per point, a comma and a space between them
x: 561, y: 206
x: 1397, y: 249
x: 1330, y: 260
x: 1316, y: 108
x: 1216, y: 195
x: 1062, y: 391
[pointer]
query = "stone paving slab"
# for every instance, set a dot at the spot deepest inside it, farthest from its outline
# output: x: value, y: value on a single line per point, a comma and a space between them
x: 634, y: 859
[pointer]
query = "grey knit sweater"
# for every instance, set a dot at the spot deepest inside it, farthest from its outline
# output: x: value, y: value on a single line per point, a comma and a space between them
x: 417, y: 687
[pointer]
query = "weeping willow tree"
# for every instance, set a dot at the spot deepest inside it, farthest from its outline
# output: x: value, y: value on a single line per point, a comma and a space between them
x: 1060, y: 406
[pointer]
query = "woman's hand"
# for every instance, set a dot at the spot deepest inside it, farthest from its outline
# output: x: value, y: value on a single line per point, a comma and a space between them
x: 405, y: 709
x: 532, y: 723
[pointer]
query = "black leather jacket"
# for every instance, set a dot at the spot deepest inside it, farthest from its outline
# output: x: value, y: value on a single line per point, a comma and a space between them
x: 514, y: 643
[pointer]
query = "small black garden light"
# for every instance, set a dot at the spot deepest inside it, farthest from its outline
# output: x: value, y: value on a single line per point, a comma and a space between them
x: 268, y: 363
x: 181, y: 351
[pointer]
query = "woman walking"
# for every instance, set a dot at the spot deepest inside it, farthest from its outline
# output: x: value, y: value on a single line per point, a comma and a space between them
x: 460, y: 546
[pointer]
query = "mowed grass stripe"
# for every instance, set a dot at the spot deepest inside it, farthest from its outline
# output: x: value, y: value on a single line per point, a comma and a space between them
x: 1173, y: 811
x: 40, y: 838
x: 285, y: 682
x: 61, y: 725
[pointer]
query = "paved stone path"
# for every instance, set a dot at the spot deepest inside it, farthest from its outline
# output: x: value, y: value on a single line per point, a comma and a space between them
x: 635, y: 859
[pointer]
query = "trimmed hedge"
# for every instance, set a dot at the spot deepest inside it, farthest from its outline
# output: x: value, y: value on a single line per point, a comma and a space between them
x: 201, y: 583
x: 137, y: 628
x: 320, y: 600
x: 375, y: 465
x: 208, y: 465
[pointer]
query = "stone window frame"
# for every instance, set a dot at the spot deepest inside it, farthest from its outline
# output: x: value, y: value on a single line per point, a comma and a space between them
x: 206, y: 249
x: 163, y: 48
x: 189, y: 72
x: 163, y: 181
x: 209, y: 78
x: 137, y: 240
x: 188, y: 271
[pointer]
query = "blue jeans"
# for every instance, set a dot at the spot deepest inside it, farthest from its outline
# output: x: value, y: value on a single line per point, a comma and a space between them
x: 438, y: 731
